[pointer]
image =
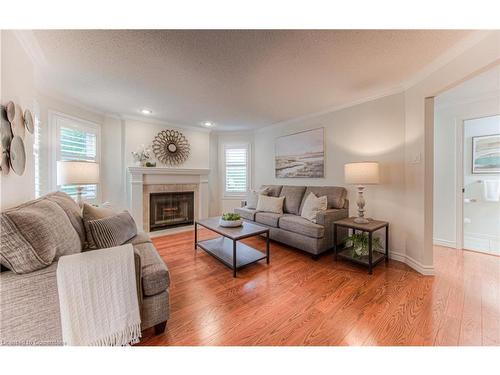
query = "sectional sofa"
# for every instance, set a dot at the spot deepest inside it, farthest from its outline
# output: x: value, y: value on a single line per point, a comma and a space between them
x: 292, y: 229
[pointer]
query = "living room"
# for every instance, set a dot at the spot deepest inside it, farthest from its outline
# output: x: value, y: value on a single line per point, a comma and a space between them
x: 240, y: 187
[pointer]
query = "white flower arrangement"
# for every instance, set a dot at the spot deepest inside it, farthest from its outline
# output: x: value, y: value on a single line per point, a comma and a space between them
x: 141, y: 155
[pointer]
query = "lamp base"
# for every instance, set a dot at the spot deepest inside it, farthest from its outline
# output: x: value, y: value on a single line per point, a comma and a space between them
x: 361, y: 220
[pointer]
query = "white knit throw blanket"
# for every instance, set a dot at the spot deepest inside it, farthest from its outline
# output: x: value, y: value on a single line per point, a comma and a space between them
x: 98, y: 297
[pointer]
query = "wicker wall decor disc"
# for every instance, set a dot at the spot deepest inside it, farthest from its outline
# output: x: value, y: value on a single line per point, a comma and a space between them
x: 171, y: 147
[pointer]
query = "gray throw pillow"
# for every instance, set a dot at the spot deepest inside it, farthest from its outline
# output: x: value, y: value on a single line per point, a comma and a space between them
x: 89, y: 213
x: 253, y: 197
x: 111, y: 231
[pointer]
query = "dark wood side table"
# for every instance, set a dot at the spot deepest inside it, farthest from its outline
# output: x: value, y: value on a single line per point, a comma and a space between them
x: 374, y: 257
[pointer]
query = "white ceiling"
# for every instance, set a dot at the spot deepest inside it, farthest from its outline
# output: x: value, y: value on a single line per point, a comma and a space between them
x: 237, y: 79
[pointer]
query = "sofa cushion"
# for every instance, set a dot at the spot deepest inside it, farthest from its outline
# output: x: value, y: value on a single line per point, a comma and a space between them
x: 112, y: 231
x: 155, y: 276
x: 293, y: 197
x: 270, y: 204
x: 72, y: 210
x: 268, y: 218
x: 246, y: 213
x: 30, y: 308
x: 298, y: 224
x: 336, y: 195
x: 273, y: 190
x: 35, y: 234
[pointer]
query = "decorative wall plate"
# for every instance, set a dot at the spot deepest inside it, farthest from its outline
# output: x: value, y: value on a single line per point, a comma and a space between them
x: 11, y: 111
x: 28, y: 121
x: 17, y: 125
x: 171, y: 147
x: 5, y: 130
x: 4, y: 161
x: 17, y: 155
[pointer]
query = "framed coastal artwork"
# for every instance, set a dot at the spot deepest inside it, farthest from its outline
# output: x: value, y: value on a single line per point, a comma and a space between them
x: 301, y: 155
x: 486, y: 154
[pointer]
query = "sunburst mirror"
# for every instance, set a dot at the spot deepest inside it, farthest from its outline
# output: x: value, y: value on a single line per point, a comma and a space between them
x: 171, y: 147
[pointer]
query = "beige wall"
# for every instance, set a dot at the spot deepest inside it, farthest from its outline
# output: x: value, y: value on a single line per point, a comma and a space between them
x: 17, y: 85
x: 369, y: 131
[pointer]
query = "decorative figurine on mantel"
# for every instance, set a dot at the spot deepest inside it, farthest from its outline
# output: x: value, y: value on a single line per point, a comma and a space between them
x: 142, y: 156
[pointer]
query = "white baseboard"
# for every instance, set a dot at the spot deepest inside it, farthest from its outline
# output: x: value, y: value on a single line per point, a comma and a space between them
x: 445, y: 243
x: 409, y: 261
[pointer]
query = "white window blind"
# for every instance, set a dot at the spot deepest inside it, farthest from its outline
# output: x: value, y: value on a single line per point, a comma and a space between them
x: 236, y: 163
x: 77, y: 141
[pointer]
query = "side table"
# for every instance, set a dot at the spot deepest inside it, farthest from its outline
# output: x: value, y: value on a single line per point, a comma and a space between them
x: 374, y: 257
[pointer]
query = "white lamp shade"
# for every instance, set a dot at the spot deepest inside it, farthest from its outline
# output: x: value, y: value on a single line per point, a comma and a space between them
x: 362, y: 173
x: 77, y: 173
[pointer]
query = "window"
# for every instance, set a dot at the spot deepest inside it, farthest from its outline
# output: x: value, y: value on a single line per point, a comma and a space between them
x: 75, y: 140
x: 236, y: 170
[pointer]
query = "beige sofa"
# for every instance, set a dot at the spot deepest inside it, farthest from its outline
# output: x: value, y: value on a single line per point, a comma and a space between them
x: 29, y: 304
x: 292, y: 229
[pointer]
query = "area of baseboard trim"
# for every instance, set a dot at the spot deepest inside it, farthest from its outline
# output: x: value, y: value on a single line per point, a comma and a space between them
x: 445, y: 243
x: 409, y: 261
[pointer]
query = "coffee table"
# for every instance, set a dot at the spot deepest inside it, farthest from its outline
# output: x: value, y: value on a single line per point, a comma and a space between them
x: 226, y: 248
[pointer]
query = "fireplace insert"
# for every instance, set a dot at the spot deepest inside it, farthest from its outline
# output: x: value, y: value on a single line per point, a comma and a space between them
x: 168, y: 210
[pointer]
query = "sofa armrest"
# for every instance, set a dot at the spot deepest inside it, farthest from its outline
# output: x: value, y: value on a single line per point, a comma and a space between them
x: 138, y: 276
x: 326, y: 219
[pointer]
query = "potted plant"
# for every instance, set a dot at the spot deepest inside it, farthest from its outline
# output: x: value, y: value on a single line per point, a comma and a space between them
x: 142, y: 155
x: 359, y: 244
x: 230, y: 220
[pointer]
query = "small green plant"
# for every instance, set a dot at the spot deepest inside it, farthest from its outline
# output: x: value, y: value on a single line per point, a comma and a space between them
x: 359, y: 244
x: 231, y: 216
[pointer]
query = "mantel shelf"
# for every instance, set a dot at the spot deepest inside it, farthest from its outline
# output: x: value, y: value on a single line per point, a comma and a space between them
x: 169, y: 171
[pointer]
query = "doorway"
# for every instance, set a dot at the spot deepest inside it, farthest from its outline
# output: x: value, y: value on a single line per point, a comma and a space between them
x: 481, y: 184
x: 466, y: 165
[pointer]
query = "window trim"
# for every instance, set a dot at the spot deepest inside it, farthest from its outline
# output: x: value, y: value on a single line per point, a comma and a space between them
x: 224, y: 146
x: 54, y: 146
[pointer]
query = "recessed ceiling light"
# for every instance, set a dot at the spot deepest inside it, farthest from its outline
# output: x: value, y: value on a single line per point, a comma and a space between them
x: 146, y: 111
x: 208, y: 124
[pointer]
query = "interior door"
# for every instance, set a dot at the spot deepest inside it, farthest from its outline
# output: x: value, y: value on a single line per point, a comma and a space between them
x: 481, y: 185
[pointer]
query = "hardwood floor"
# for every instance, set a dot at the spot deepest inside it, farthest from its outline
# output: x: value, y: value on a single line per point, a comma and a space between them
x: 298, y: 301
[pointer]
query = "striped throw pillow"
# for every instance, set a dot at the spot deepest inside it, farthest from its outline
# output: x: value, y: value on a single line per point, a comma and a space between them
x: 111, y: 231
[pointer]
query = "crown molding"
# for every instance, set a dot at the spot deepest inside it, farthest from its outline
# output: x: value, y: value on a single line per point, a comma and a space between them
x: 448, y: 56
x: 30, y: 45
x: 393, y: 91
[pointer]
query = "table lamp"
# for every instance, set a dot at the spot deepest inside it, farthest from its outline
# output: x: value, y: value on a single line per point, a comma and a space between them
x: 79, y: 173
x: 361, y: 174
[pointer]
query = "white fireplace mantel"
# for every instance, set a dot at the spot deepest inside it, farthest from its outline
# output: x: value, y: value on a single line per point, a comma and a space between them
x: 140, y: 176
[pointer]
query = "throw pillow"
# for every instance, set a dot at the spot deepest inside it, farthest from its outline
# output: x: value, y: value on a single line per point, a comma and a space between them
x: 112, y: 231
x: 94, y: 213
x: 253, y: 197
x: 270, y: 204
x: 312, y: 206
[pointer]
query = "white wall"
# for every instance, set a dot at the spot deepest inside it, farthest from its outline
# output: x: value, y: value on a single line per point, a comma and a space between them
x: 419, y: 134
x: 120, y: 137
x: 452, y: 108
x: 17, y: 85
x: 369, y: 131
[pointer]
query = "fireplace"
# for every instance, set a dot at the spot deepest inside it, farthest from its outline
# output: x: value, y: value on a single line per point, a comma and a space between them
x: 170, y: 209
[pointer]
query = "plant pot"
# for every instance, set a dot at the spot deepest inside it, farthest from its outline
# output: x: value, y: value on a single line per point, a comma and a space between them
x: 230, y: 223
